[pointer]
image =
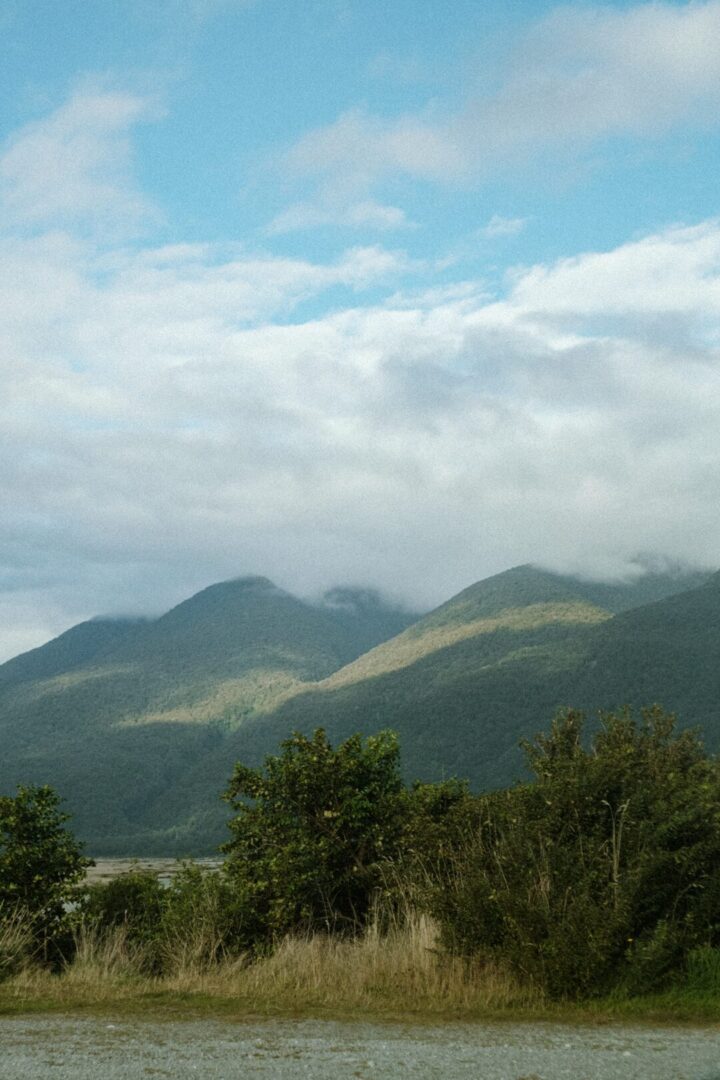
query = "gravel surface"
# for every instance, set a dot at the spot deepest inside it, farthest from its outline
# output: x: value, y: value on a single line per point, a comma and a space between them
x: 68, y: 1048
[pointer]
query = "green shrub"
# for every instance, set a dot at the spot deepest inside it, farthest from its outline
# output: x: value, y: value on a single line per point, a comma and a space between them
x: 136, y: 902
x: 703, y: 971
x: 438, y: 820
x: 40, y: 866
x: 602, y: 872
x: 312, y: 834
x: 201, y: 922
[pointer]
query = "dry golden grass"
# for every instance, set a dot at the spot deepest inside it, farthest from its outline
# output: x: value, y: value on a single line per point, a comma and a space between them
x: 402, y: 967
x: 15, y: 942
x: 397, y: 972
x: 102, y: 958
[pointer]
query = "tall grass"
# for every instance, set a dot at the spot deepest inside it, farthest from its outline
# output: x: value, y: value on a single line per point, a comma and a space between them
x: 16, y: 942
x: 102, y: 958
x: 393, y: 971
x: 400, y: 968
x: 703, y: 971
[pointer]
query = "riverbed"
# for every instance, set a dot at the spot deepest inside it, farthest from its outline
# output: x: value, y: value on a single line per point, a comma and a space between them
x: 103, y: 1048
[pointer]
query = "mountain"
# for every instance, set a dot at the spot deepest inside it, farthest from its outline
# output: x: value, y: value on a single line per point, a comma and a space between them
x: 467, y: 682
x: 667, y: 651
x: 138, y: 724
x: 71, y: 650
x: 112, y: 713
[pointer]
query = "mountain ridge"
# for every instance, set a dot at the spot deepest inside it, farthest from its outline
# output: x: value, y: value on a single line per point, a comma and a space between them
x: 141, y: 735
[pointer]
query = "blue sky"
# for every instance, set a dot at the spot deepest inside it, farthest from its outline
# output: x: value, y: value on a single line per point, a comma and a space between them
x: 395, y: 294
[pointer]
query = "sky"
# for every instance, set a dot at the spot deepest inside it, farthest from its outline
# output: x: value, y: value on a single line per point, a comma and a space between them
x: 340, y: 291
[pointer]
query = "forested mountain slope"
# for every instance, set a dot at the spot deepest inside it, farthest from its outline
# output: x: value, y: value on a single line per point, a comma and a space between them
x: 111, y: 714
x: 75, y: 648
x: 462, y: 706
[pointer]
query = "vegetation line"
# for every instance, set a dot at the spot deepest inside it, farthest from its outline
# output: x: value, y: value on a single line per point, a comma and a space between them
x: 591, y: 891
x: 391, y: 976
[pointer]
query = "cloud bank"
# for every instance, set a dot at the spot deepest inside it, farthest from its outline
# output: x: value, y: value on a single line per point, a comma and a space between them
x: 176, y: 413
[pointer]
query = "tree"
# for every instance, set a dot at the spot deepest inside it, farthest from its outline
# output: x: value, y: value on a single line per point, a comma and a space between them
x: 40, y: 860
x: 308, y: 849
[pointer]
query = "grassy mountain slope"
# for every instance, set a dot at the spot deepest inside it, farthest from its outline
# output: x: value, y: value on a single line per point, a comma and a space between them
x: 521, y: 602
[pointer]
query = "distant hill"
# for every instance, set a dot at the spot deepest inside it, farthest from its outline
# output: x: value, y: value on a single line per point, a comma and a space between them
x: 464, y: 683
x: 138, y: 725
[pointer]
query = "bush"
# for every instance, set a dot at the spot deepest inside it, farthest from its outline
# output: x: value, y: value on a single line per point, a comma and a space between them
x: 134, y: 902
x: 703, y: 971
x: 308, y: 850
x: 438, y: 821
x: 201, y: 923
x: 602, y: 872
x: 189, y: 925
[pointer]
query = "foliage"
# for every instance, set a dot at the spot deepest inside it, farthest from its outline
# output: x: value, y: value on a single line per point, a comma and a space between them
x: 308, y: 850
x: 201, y: 924
x: 600, y: 875
x: 604, y: 871
x: 438, y: 822
x: 17, y: 944
x: 193, y: 918
x: 40, y: 861
x: 135, y: 902
x: 703, y: 971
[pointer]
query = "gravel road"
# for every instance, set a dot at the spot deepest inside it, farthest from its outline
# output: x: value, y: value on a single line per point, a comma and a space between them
x: 69, y: 1048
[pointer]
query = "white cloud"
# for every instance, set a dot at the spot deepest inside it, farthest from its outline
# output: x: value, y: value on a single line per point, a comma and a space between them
x: 358, y: 148
x: 74, y: 167
x: 162, y: 431
x: 580, y: 74
x: 670, y: 273
x: 170, y: 417
x: 502, y: 226
x: 360, y: 215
